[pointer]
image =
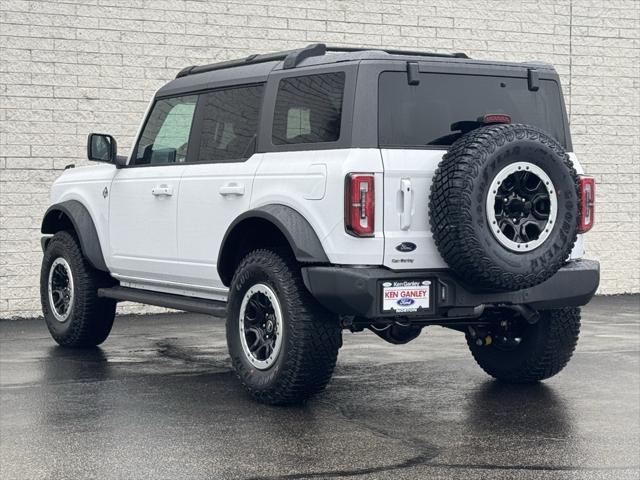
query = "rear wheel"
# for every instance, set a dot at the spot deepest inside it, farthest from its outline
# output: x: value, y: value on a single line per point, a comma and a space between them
x: 73, y: 312
x: 517, y: 352
x: 282, y: 343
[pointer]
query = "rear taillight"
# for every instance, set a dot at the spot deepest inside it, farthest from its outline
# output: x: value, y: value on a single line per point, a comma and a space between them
x: 359, y: 204
x: 587, y: 187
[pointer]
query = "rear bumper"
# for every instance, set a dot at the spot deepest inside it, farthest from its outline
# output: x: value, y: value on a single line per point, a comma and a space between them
x: 357, y: 290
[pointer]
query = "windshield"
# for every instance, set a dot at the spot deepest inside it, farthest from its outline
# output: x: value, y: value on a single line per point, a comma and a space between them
x: 443, y: 107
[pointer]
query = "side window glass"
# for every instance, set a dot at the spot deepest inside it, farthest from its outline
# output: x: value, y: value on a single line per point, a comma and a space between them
x: 229, y: 123
x: 308, y: 109
x: 165, y: 137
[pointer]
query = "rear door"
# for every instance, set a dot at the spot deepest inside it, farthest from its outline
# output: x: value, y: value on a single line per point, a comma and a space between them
x: 216, y: 188
x: 407, y: 178
x: 418, y: 123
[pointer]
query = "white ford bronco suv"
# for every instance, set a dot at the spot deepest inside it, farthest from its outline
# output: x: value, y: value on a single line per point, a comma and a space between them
x: 305, y: 192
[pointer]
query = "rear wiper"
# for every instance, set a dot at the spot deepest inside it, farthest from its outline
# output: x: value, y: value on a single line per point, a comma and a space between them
x: 463, y: 127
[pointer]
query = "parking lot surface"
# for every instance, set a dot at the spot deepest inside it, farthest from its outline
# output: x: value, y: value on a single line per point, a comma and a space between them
x: 159, y: 400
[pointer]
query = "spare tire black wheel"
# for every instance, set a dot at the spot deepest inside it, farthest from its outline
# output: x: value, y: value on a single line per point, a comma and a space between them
x: 504, y: 207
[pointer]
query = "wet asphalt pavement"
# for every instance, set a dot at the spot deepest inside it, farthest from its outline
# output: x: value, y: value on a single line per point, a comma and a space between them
x: 158, y: 400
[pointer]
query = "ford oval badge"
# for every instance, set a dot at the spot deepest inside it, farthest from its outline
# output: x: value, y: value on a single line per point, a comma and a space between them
x: 405, y: 302
x: 406, y: 247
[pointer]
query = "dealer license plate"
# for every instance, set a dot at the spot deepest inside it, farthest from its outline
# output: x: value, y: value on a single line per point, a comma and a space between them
x: 406, y: 296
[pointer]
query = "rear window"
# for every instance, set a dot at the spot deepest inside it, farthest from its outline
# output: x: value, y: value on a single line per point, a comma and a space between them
x: 229, y: 123
x: 442, y: 107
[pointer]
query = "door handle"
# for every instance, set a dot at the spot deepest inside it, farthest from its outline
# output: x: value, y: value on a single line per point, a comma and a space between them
x: 407, y: 203
x: 232, y: 188
x: 163, y: 190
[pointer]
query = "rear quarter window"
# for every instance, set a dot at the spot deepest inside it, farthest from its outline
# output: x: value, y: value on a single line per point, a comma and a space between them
x: 425, y: 114
x: 308, y: 109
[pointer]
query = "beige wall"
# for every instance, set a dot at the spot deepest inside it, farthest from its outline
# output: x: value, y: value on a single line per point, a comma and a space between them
x: 71, y: 67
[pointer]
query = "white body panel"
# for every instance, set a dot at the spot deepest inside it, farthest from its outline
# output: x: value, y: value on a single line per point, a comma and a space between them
x: 171, y: 242
x: 212, y: 196
x: 312, y: 183
x: 406, y: 213
x: 86, y: 185
x: 142, y: 222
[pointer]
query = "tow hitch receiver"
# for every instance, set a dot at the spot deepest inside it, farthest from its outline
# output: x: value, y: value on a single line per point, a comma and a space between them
x: 506, y: 333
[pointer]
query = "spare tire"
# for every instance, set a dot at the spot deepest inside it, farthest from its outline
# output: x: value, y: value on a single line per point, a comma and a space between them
x: 504, y: 207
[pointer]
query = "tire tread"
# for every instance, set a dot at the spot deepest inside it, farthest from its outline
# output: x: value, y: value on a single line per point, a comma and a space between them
x: 92, y: 317
x: 316, y: 334
x: 549, y: 356
x: 450, y: 204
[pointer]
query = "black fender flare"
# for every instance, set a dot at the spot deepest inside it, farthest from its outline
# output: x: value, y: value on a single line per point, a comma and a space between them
x: 302, y: 239
x: 83, y: 225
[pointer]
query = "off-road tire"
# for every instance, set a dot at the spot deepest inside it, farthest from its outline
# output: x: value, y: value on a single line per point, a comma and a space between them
x: 90, y: 317
x: 457, y: 207
x: 311, y: 337
x: 545, y: 349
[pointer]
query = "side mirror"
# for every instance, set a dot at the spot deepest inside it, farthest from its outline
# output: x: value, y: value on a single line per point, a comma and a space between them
x: 103, y: 148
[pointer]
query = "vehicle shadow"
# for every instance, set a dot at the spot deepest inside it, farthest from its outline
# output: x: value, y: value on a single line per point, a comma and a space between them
x: 71, y: 377
x: 74, y: 364
x: 525, y: 410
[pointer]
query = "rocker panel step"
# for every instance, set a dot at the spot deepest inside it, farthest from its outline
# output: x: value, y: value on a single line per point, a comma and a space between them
x: 179, y: 302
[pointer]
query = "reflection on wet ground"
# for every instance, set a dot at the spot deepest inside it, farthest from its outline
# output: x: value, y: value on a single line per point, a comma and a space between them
x: 159, y: 400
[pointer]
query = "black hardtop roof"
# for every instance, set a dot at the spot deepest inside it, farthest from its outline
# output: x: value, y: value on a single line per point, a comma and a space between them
x: 256, y: 68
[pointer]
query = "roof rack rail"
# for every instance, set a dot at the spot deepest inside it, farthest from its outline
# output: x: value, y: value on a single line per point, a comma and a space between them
x: 398, y: 52
x: 292, y: 58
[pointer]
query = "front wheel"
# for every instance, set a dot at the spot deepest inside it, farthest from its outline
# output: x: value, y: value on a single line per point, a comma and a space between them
x: 282, y: 343
x: 73, y: 312
x: 516, y: 352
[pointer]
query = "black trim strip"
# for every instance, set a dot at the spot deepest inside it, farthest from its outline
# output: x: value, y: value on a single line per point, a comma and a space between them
x: 83, y: 225
x: 168, y: 300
